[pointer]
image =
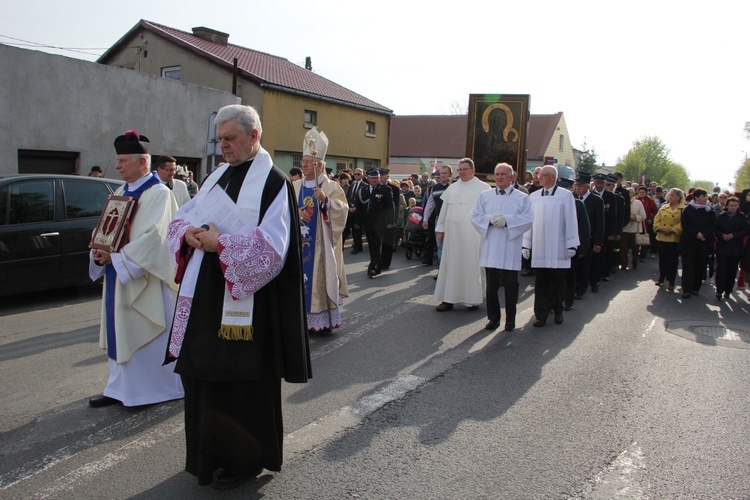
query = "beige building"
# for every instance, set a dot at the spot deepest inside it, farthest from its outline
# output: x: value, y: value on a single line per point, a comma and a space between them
x: 290, y: 99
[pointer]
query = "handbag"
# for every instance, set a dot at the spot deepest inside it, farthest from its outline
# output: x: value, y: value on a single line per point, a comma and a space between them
x: 642, y: 238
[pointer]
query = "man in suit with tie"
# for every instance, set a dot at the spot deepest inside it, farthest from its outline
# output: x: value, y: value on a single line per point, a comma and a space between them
x: 353, y: 222
x: 375, y: 205
x: 600, y: 269
x: 587, y: 264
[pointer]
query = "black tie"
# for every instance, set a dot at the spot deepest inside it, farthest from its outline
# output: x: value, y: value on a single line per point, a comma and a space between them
x: 502, y: 191
x: 545, y: 193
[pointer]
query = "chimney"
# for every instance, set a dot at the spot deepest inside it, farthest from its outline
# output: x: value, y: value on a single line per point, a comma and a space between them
x: 308, y: 63
x: 211, y: 35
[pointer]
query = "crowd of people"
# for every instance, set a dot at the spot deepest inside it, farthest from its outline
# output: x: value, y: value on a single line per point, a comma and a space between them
x: 214, y: 292
x: 619, y: 224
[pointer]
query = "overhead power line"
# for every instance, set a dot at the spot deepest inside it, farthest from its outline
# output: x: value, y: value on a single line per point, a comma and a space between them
x: 27, y: 43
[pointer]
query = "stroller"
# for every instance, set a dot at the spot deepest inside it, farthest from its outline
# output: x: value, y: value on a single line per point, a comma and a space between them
x: 415, y: 236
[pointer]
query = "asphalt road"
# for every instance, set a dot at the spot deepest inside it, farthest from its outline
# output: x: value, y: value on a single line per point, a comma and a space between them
x: 635, y: 395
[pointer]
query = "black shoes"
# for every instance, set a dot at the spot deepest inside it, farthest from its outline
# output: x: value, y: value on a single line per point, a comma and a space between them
x: 540, y: 322
x: 224, y: 480
x: 594, y: 288
x: 492, y: 325
x: 509, y: 327
x: 473, y: 308
x: 102, y: 401
x: 444, y: 306
x: 558, y: 319
x: 687, y: 295
x: 567, y: 308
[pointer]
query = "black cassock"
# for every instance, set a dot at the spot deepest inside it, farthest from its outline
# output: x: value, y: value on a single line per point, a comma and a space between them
x: 233, y: 416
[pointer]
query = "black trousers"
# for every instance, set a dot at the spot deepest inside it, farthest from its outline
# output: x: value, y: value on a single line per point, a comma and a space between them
x: 726, y: 272
x: 582, y: 269
x: 356, y: 237
x: 570, y: 284
x: 430, y: 245
x: 669, y: 258
x: 549, y: 292
x: 694, y: 265
x: 507, y: 279
x: 374, y: 236
x: 389, y: 242
x: 608, y: 257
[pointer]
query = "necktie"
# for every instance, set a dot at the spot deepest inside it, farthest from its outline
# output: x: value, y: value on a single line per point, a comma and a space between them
x: 545, y: 193
x: 502, y: 191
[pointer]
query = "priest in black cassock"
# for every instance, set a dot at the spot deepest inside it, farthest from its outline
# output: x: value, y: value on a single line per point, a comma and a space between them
x: 240, y: 323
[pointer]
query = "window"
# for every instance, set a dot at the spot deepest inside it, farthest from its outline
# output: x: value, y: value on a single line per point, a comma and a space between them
x: 562, y: 142
x: 171, y: 72
x: 370, y: 129
x: 310, y: 118
x: 32, y: 201
x: 84, y: 199
x: 297, y: 160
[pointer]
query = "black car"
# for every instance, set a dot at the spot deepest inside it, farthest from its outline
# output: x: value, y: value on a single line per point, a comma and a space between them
x: 46, y: 222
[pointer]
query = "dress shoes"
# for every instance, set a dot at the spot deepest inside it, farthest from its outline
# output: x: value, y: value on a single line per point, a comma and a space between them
x: 567, y: 308
x: 578, y: 297
x: 225, y: 480
x: 594, y: 288
x: 605, y: 278
x: 687, y: 295
x: 509, y: 327
x: 101, y: 401
x: 558, y: 319
x: 492, y: 325
x: 444, y: 306
x: 473, y: 308
x: 371, y: 274
x: 355, y: 252
x: 540, y: 322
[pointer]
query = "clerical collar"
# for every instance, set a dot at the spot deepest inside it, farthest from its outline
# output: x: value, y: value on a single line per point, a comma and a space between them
x: 132, y: 186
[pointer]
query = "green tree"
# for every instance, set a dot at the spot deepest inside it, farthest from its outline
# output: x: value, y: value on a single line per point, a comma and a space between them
x: 587, y: 161
x: 649, y: 158
x: 676, y: 176
x: 707, y: 185
x: 742, y: 177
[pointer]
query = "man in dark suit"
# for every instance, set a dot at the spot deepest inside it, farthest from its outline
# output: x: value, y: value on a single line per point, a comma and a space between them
x: 595, y: 211
x: 584, y: 235
x: 375, y: 206
x: 600, y: 269
x: 389, y: 240
x: 353, y: 221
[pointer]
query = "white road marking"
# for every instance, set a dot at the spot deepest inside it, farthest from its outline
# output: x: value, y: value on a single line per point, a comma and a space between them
x: 653, y: 322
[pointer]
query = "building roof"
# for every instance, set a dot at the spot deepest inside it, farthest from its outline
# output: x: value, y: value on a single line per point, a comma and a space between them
x: 425, y: 136
x: 264, y: 69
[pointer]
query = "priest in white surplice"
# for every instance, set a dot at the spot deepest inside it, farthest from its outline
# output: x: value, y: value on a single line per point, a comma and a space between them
x: 459, y: 278
x: 501, y: 216
x: 554, y: 239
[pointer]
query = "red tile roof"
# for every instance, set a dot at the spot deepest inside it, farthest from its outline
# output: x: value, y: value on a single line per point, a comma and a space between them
x: 425, y: 136
x: 264, y: 69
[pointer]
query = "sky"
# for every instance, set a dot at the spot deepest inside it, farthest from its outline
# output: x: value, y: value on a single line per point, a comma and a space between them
x: 618, y: 72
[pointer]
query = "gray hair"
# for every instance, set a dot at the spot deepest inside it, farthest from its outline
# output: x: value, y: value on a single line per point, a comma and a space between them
x: 246, y: 116
x: 506, y: 166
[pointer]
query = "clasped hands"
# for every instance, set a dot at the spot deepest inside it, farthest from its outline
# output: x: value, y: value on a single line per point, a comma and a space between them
x: 202, y: 238
x: 498, y: 220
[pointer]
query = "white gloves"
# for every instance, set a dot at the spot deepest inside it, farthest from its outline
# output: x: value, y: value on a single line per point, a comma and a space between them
x: 498, y: 220
x: 526, y: 253
x: 571, y: 253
